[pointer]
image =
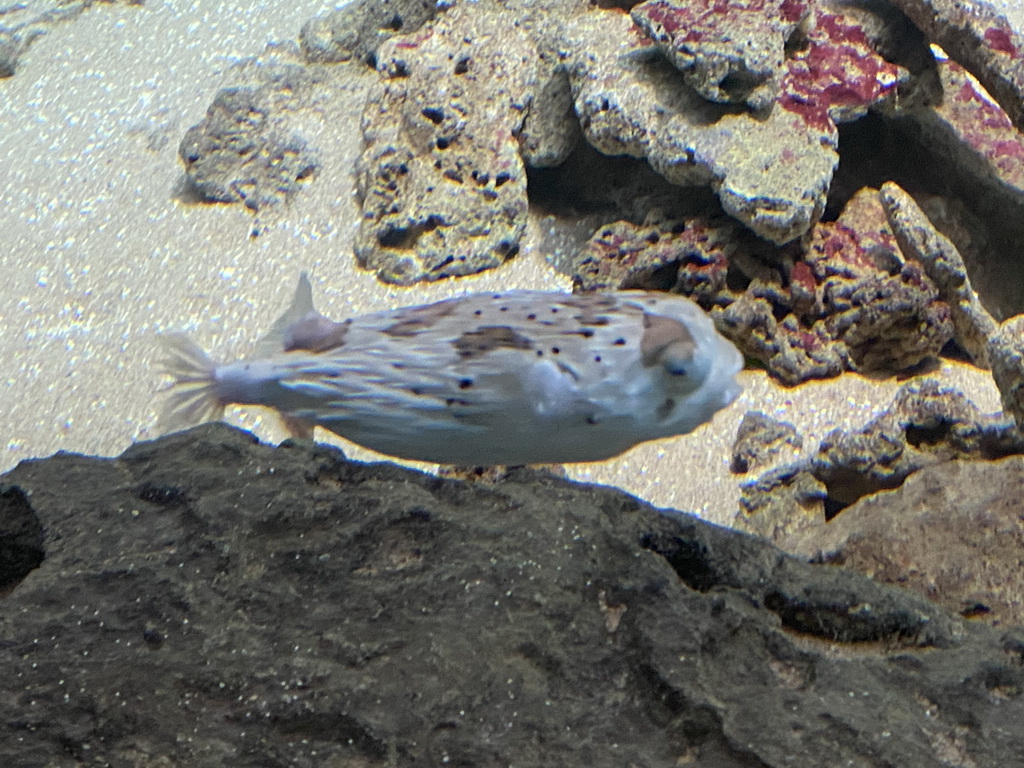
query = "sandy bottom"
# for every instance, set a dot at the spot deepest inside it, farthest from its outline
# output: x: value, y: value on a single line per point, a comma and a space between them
x: 99, y: 253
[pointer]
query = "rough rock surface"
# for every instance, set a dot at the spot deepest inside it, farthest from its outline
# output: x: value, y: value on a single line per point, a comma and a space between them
x: 848, y: 301
x: 1006, y: 356
x: 973, y: 326
x: 771, y: 171
x: 441, y: 181
x: 953, y: 533
x: 926, y: 425
x: 208, y: 601
x: 760, y: 441
x: 356, y: 30
x: 981, y: 40
x: 729, y: 53
x: 256, y: 144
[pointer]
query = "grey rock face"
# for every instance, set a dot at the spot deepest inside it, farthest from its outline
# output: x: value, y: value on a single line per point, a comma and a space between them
x: 926, y: 425
x: 235, y: 155
x: 952, y: 533
x: 287, y: 607
x: 759, y: 441
x: 441, y: 181
x: 251, y: 147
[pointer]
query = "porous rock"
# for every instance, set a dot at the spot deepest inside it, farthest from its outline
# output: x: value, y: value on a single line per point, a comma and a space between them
x: 953, y: 533
x: 772, y: 171
x: 727, y: 53
x: 926, y: 425
x: 286, y: 606
x: 981, y: 40
x: 760, y: 441
x: 847, y: 301
x: 251, y: 147
x: 973, y: 326
x: 356, y: 30
x: 685, y: 254
x: 441, y: 181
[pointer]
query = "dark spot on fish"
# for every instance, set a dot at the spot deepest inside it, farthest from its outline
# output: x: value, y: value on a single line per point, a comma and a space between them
x: 465, y: 383
x: 503, y: 309
x: 555, y: 350
x: 540, y: 353
x: 443, y: 142
x: 462, y: 66
x: 665, y: 409
x: 619, y: 342
x: 597, y: 358
x: 591, y: 420
x: 531, y: 316
x: 398, y: 366
x: 478, y: 312
x: 488, y: 338
x: 586, y: 333
x: 416, y: 390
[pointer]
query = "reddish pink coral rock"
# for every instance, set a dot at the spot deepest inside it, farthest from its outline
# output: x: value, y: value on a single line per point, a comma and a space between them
x: 729, y: 51
x: 837, y: 76
x: 981, y: 40
x: 686, y: 255
x: 980, y: 126
x: 844, y: 301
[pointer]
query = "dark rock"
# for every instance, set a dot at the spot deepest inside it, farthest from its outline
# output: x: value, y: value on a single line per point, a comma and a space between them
x: 926, y: 425
x: 249, y: 147
x: 953, y: 533
x: 209, y: 601
x: 920, y: 241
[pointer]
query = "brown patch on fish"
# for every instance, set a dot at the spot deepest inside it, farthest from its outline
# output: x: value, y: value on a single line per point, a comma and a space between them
x: 589, y: 308
x: 316, y: 334
x: 488, y: 338
x: 415, y: 321
x: 660, y: 333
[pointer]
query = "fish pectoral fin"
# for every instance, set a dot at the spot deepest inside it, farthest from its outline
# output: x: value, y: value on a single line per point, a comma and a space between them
x: 553, y: 391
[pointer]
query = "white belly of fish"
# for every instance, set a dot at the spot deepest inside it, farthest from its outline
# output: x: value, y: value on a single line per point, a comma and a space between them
x: 516, y: 378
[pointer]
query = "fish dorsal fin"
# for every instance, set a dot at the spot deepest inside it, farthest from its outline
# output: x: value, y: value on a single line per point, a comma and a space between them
x: 301, y: 309
x: 301, y: 327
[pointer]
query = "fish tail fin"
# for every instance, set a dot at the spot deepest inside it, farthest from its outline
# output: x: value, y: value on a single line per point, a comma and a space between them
x: 192, y: 397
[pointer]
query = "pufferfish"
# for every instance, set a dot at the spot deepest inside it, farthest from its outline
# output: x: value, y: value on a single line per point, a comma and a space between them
x: 523, y: 377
